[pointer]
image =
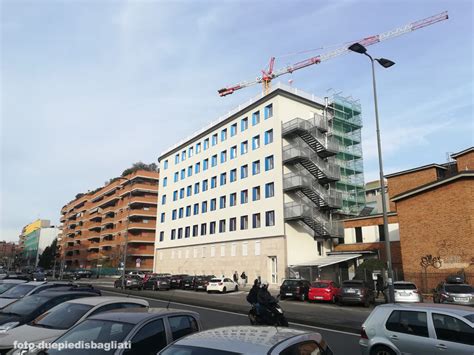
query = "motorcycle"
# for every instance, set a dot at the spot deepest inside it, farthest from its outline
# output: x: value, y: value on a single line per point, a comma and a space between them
x: 271, y: 314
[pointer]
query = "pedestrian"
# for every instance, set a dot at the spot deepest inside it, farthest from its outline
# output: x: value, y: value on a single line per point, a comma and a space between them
x: 379, y: 285
x: 236, y: 277
x: 244, y: 278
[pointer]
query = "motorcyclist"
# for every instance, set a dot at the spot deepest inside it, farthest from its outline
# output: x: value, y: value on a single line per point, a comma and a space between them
x: 264, y: 298
x: 252, y: 296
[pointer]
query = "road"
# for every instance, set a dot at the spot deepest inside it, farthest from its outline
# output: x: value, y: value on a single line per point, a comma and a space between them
x: 341, y: 342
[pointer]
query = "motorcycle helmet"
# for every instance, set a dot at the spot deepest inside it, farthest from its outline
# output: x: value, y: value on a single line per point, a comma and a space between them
x: 264, y: 284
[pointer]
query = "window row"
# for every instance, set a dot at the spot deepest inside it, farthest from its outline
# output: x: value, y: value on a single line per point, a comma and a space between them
x: 214, y: 138
x: 201, y: 251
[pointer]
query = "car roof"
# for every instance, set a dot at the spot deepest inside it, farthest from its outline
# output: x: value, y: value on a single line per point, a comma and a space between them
x: 241, y: 339
x: 53, y: 294
x: 95, y: 301
x: 459, y: 310
x: 12, y: 281
x: 36, y: 283
x: 136, y: 315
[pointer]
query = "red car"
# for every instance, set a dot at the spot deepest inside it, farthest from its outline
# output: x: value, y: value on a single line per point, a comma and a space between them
x: 324, y: 290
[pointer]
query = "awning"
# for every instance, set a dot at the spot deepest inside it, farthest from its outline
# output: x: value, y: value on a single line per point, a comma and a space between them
x: 328, y: 260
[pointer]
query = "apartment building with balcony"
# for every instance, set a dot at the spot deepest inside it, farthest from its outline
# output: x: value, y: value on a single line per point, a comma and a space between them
x: 259, y: 190
x: 95, y: 225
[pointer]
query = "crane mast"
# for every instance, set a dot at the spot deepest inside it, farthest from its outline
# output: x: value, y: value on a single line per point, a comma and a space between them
x: 269, y: 75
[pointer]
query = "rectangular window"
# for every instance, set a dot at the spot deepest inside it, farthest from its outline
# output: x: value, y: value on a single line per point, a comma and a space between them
x: 181, y: 212
x: 269, y: 218
x: 190, y: 151
x: 408, y: 322
x: 213, y: 251
x: 204, y: 207
x: 198, y: 148
x: 176, y: 177
x: 233, y: 130
x: 165, y: 164
x: 256, y: 220
x: 173, y: 234
x: 197, y: 168
x: 213, y: 182
x: 244, y: 147
x: 163, y: 200
x: 232, y: 224
x: 256, y: 167
x: 269, y: 164
x: 256, y: 193
x: 180, y: 233
x: 269, y: 136
x: 268, y: 111
x: 222, y: 201
x: 195, y: 227
x: 176, y: 159
x: 189, y: 190
x: 213, y: 204
x: 205, y: 185
x: 175, y: 195
x: 256, y: 142
x: 162, y: 219
x: 203, y: 229
x: 187, y: 232
x: 244, y: 124
x: 212, y: 228
x: 165, y: 182
x: 233, y: 199
x: 223, y: 156
x: 190, y: 171
x: 244, y: 222
x: 223, y: 178
x: 257, y: 248
x: 255, y: 118
x: 206, y: 144
x: 381, y: 233
x: 244, y: 196
x: 205, y: 164
x: 245, y: 248
x: 214, y: 139
x: 233, y: 175
x: 358, y: 231
x: 233, y: 249
x: 173, y: 214
x: 196, y: 208
x: 183, y: 155
x: 214, y: 160
x: 269, y: 190
x: 223, y: 135
x: 183, y: 174
x: 162, y: 236
x: 233, y: 152
x: 222, y: 226
x: 222, y: 249
x: 196, y: 188
x: 181, y: 192
x: 244, y: 171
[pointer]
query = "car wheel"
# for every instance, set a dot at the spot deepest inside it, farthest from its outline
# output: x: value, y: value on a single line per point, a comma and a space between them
x: 236, y: 288
x: 224, y: 290
x: 209, y: 292
x: 333, y: 300
x: 153, y: 287
x: 303, y: 297
x: 381, y: 350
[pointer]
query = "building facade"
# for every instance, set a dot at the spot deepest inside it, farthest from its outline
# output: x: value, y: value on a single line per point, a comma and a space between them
x: 34, y: 238
x: 256, y: 191
x: 95, y: 225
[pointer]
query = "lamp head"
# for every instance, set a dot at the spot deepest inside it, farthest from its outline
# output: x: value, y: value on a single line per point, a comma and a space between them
x: 386, y: 63
x: 358, y: 48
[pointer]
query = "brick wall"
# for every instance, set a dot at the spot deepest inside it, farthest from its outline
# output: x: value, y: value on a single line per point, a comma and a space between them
x: 369, y: 221
x: 465, y: 162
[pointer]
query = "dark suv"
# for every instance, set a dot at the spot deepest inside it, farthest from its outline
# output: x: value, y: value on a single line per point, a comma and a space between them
x: 357, y: 291
x: 176, y: 281
x: 295, y: 288
x: 201, y: 282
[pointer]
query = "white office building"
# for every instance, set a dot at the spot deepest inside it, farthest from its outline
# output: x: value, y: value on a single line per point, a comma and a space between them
x: 255, y: 191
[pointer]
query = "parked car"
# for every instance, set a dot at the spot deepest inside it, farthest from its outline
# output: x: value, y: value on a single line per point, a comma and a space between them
x: 70, y: 275
x: 188, y: 283
x: 6, y: 284
x: 421, y: 329
x: 38, y: 276
x: 455, y: 293
x: 157, y: 283
x: 250, y: 340
x: 87, y: 274
x: 131, y: 282
x: 356, y: 291
x: 406, y: 292
x: 324, y: 290
x: 27, y: 289
x: 176, y: 280
x: 76, y: 288
x: 201, y: 282
x: 295, y: 288
x: 140, y: 274
x: 222, y: 285
x: 148, y: 330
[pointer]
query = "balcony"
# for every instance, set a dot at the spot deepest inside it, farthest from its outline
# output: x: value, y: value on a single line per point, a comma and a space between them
x: 146, y: 200
x: 145, y: 187
x: 152, y: 212
x: 141, y: 239
x: 151, y: 225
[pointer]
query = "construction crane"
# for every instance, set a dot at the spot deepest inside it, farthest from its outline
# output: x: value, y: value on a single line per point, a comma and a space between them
x: 269, y: 75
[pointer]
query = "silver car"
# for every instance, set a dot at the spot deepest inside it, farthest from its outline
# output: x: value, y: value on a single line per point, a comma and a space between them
x: 418, y: 329
x: 406, y: 292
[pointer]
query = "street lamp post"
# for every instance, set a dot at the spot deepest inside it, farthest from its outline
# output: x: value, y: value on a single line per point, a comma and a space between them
x: 124, y: 257
x: 386, y: 63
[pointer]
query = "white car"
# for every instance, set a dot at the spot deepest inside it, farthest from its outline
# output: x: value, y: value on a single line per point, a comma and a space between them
x: 55, y: 322
x: 406, y: 292
x: 222, y: 285
x: 140, y: 274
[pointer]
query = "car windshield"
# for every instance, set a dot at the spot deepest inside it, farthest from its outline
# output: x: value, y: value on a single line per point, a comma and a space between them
x: 26, y: 305
x: 404, y: 286
x: 319, y: 284
x: 5, y: 287
x: 93, y: 331
x: 18, y: 291
x: 195, y: 350
x: 62, y: 316
x: 216, y: 280
x: 470, y: 317
x: 291, y: 282
x: 458, y: 288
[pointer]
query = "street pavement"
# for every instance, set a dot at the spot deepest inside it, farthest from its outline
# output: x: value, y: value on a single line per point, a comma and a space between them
x: 341, y: 342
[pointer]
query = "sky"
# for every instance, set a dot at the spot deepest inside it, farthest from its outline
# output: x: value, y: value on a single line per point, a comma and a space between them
x: 90, y: 87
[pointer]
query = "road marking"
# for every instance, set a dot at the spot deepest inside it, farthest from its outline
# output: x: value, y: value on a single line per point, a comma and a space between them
x: 234, y: 313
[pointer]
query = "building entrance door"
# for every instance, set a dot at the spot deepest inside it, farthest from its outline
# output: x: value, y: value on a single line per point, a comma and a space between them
x: 273, y: 269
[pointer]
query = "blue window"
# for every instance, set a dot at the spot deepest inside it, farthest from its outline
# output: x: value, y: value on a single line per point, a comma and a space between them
x: 256, y: 193
x: 173, y: 215
x: 206, y: 143
x: 269, y: 136
x: 180, y: 233
x: 233, y: 152
x: 173, y: 234
x: 244, y: 124
x: 181, y: 192
x: 165, y: 182
x: 198, y: 148
x: 244, y: 171
x: 233, y: 130
x: 213, y: 182
x: 223, y: 178
x: 162, y: 218
x: 214, y: 139
x: 255, y: 118
x: 180, y: 212
x: 214, y: 160
x: 196, y: 208
x: 233, y: 199
x: 269, y: 190
x: 205, y: 164
x: 233, y: 175
x: 196, y: 188
x: 190, y: 170
x: 190, y: 151
x: 256, y: 167
x: 163, y: 200
x: 175, y: 195
x: 223, y: 135
x: 162, y: 236
x: 223, y: 156
x: 183, y: 174
x: 187, y: 232
x: 197, y: 168
x: 176, y: 159
x: 204, y: 185
x: 165, y: 164
x: 244, y: 196
x: 268, y: 111
x: 256, y: 142
x: 269, y: 218
x: 204, y: 207
x: 188, y: 211
x: 269, y: 163
x: 213, y: 204
x: 222, y: 202
x: 176, y: 177
x: 189, y: 191
x: 244, y: 147
x: 183, y: 155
